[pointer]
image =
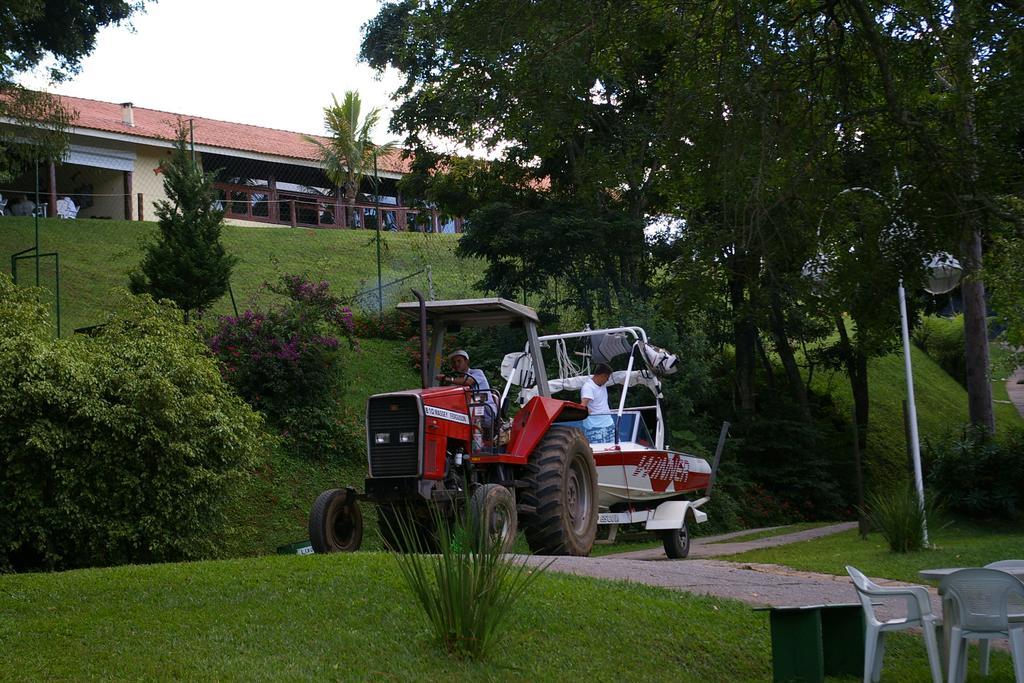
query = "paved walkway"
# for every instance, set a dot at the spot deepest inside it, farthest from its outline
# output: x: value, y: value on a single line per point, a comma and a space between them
x: 1015, y: 388
x: 755, y: 584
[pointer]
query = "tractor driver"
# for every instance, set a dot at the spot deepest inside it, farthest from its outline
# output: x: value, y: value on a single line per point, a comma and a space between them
x: 474, y: 379
x: 468, y: 377
x: 599, y: 427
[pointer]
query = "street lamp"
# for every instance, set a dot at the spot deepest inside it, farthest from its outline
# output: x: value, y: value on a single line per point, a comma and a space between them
x: 944, y: 273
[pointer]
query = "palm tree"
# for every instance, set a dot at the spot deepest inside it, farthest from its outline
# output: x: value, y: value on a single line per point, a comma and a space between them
x: 349, y: 153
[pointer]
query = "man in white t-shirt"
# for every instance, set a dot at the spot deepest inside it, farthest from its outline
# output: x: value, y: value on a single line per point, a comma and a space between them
x: 599, y: 426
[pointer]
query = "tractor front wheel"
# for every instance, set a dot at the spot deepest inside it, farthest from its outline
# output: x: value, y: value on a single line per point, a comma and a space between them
x: 677, y: 543
x: 492, y: 518
x: 335, y: 523
x: 561, y: 492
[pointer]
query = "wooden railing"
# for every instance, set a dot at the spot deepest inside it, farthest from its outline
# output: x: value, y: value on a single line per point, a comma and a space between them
x: 264, y: 205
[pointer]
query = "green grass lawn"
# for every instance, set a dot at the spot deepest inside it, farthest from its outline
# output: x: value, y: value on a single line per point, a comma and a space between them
x: 96, y: 256
x: 350, y: 617
x: 957, y: 545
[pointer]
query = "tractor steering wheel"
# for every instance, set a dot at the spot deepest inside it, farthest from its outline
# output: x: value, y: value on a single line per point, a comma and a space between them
x: 446, y: 377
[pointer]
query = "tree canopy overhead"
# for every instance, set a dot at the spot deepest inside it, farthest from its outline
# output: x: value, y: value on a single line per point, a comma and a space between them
x: 65, y: 30
x: 739, y: 122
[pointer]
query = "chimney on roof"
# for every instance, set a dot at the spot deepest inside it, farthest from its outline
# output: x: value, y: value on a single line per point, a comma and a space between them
x: 127, y: 114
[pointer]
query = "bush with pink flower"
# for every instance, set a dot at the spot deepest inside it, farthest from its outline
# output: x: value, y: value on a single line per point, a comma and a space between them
x: 286, y: 361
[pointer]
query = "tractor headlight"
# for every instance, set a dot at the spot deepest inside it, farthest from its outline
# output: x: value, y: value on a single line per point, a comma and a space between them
x: 382, y: 438
x: 407, y: 437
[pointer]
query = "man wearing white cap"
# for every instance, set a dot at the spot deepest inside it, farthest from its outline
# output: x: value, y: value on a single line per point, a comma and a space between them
x: 465, y: 375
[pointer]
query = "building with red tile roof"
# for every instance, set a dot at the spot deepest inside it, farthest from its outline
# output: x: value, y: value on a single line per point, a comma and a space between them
x: 264, y: 175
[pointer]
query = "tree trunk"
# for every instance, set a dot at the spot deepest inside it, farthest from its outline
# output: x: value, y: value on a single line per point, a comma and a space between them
x: 857, y: 370
x: 966, y: 17
x: 745, y: 337
x: 793, y: 377
x: 979, y: 386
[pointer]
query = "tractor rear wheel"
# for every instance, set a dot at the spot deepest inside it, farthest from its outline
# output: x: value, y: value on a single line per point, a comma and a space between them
x: 561, y: 489
x: 405, y: 531
x: 677, y: 543
x: 492, y: 518
x: 335, y: 523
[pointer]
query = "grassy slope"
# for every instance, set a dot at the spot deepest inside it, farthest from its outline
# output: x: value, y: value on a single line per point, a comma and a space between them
x: 96, y: 255
x: 941, y: 407
x: 273, y: 509
x: 350, y: 617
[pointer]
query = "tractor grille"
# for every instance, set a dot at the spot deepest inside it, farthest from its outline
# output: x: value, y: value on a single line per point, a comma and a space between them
x: 393, y: 415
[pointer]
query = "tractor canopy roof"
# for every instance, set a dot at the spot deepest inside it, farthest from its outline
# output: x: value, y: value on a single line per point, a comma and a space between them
x: 472, y: 312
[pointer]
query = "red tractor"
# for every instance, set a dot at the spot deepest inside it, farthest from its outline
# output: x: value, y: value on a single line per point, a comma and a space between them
x: 444, y: 449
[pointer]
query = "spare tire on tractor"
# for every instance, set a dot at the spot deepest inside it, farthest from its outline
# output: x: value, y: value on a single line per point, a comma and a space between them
x: 561, y: 494
x: 335, y: 522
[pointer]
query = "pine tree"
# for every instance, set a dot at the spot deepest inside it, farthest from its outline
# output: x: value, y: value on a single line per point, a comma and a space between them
x: 186, y: 263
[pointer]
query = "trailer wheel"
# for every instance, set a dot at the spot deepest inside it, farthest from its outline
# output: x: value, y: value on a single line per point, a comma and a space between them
x: 561, y: 489
x: 404, y: 531
x: 677, y: 542
x: 335, y: 523
x: 492, y: 518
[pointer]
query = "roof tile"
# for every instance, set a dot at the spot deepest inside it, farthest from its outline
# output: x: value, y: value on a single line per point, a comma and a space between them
x: 152, y: 123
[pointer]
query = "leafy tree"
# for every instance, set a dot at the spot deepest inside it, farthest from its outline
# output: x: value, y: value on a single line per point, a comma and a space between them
x: 31, y: 31
x: 186, y: 263
x: 565, y: 111
x: 948, y: 72
x: 350, y: 153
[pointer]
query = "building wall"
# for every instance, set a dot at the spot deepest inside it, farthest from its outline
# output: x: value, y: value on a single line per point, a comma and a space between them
x: 148, y: 179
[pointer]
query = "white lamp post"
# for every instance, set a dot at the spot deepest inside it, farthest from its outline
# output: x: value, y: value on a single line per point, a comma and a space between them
x: 944, y: 273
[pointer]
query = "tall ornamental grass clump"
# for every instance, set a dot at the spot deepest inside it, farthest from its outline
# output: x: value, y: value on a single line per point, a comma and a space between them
x: 466, y: 589
x: 899, y: 517
x: 120, y: 447
x: 286, y: 361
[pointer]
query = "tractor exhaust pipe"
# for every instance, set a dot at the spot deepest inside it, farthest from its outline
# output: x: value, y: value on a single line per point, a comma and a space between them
x: 424, y: 379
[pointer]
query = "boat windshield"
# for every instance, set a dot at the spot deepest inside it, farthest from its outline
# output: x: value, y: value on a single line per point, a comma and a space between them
x: 631, y: 428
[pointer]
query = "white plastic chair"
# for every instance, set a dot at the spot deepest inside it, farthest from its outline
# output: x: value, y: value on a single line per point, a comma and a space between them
x: 3, y: 205
x: 982, y: 597
x: 66, y: 208
x: 919, y: 613
x: 1016, y: 606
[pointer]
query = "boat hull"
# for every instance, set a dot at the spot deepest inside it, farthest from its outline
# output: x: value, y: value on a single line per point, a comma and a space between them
x: 636, y: 475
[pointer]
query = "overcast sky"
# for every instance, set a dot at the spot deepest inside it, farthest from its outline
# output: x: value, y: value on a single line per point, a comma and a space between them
x: 264, y: 63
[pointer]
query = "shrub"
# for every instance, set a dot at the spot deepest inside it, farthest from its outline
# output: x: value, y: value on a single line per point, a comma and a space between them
x: 899, y: 517
x: 392, y: 325
x: 120, y: 447
x: 943, y: 340
x: 466, y: 594
x: 979, y: 475
x: 286, y: 362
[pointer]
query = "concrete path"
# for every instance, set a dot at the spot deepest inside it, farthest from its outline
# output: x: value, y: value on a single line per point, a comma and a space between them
x: 755, y: 584
x: 1015, y: 388
x: 718, y: 546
